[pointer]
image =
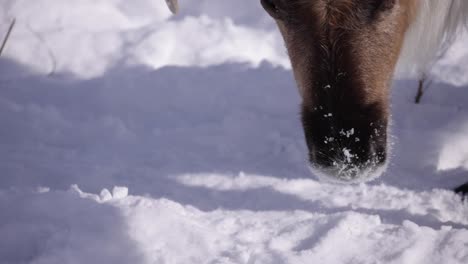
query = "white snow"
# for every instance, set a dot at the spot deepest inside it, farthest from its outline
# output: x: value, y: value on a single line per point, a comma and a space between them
x: 348, y: 155
x: 105, y: 33
x: 145, y: 230
x: 130, y: 136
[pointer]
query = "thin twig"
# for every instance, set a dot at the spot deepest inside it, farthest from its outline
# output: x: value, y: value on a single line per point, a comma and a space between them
x: 423, y: 85
x: 49, y: 51
x: 5, y: 40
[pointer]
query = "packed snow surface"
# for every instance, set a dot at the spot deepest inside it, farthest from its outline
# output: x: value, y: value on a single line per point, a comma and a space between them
x: 130, y: 136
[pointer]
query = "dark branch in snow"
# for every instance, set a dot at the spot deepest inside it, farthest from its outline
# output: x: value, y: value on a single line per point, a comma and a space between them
x: 49, y: 51
x: 5, y: 40
x: 423, y: 85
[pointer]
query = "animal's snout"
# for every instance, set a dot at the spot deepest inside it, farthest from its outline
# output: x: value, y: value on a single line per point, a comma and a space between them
x: 354, y: 153
x: 346, y: 146
x: 348, y: 159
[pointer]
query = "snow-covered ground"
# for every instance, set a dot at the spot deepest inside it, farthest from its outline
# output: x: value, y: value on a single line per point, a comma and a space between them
x: 197, y: 116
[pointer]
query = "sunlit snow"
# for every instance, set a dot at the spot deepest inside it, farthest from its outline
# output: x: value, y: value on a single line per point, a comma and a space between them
x: 131, y: 136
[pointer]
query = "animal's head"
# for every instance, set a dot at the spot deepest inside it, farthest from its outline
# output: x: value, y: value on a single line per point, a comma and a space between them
x: 343, y: 54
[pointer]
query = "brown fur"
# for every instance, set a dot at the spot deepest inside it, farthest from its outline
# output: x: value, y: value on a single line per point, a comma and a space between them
x: 343, y: 54
x: 383, y: 40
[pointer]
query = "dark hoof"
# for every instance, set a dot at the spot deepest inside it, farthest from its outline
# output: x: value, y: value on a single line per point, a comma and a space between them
x: 463, y: 190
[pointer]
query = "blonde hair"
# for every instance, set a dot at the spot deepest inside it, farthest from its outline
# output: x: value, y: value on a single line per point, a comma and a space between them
x: 437, y: 24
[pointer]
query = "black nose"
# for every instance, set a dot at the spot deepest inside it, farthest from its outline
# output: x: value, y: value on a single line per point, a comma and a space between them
x: 348, y: 149
x: 350, y: 146
x: 348, y: 161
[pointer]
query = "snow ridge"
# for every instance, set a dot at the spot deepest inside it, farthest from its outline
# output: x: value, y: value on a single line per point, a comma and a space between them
x: 146, y: 230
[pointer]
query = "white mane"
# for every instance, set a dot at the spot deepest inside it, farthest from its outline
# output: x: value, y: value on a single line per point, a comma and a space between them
x: 438, y: 22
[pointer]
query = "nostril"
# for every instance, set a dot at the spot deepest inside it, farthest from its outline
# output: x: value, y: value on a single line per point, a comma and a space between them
x: 378, y: 152
x: 322, y: 158
x: 324, y: 161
